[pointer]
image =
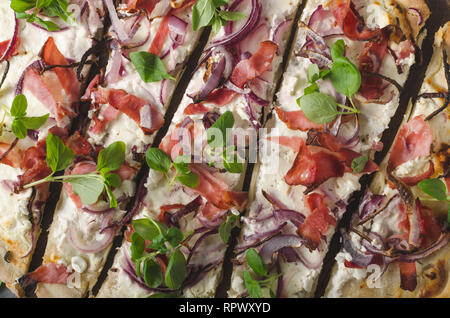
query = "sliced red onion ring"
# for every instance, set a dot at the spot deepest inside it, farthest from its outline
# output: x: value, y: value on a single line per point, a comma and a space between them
x: 249, y: 220
x: 317, y: 58
x: 370, y: 203
x: 163, y: 92
x: 209, y: 119
x: 229, y: 60
x: 231, y: 86
x: 115, y: 22
x: 249, y: 25
x: 279, y: 33
x: 418, y: 14
x: 274, y: 201
x: 198, y: 242
x: 92, y: 247
x: 253, y: 40
x: 38, y: 65
x: 12, y: 42
x: 261, y: 236
x: 276, y: 243
x: 295, y: 217
x: 322, y: 21
x: 212, y: 82
x: 177, y: 29
x: 358, y: 258
x: 317, y: 43
x: 251, y: 113
x: 188, y: 208
x: 116, y: 64
x: 104, y: 211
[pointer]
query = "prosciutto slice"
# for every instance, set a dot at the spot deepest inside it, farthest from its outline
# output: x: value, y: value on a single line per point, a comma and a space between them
x: 144, y: 114
x: 296, y: 120
x: 50, y: 273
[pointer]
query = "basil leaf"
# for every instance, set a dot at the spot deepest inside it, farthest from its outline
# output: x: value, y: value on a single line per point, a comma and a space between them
x: 43, y: 3
x: 22, y: 5
x: 338, y: 49
x: 359, y: 163
x: 434, y: 188
x: 159, y: 244
x: 146, y: 228
x: 225, y: 227
x: 149, y: 67
x: 48, y: 25
x: 190, y: 180
x: 345, y: 76
x: 311, y: 89
x: 137, y: 246
x: 158, y: 160
x: 174, y: 236
x: 19, y: 106
x: 111, y: 197
x: 202, y: 13
x: 153, y: 276
x: 112, y: 157
x: 181, y: 164
x: 255, y: 262
x: 253, y: 287
x: 217, y: 135
x: 34, y: 122
x: 113, y: 180
x: 216, y: 24
x: 231, y: 162
x: 19, y: 129
x: 312, y: 73
x: 231, y: 15
x: 324, y: 73
x: 88, y: 189
x: 59, y: 156
x: 219, y: 3
x: 318, y: 107
x: 176, y: 270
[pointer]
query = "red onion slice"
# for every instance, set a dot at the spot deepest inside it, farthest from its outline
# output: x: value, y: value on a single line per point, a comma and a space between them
x: 253, y: 40
x: 322, y: 21
x: 276, y: 243
x: 177, y: 29
x: 418, y: 14
x: 295, y: 217
x: 115, y: 21
x: 230, y: 85
x: 249, y: 25
x: 12, y: 42
x: 212, y: 82
x: 280, y: 32
x: 116, y: 64
x: 91, y: 247
x: 358, y: 258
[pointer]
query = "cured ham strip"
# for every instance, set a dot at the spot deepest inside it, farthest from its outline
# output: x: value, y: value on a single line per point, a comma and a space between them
x: 350, y: 21
x: 316, y: 224
x: 321, y: 161
x: 296, y: 120
x: 14, y: 156
x: 4, y: 46
x: 370, y: 60
x: 254, y: 66
x: 132, y: 106
x: 219, y: 97
x: 51, y: 273
x: 408, y: 275
x: 52, y: 56
x: 216, y: 191
x: 292, y: 142
x: 148, y: 5
x: 108, y: 114
x: 161, y: 36
x: 414, y: 140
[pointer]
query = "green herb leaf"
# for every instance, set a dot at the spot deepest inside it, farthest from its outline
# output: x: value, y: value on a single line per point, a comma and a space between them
x: 22, y: 5
x: 181, y: 164
x: 231, y: 162
x: 345, y: 76
x: 137, y: 246
x: 88, y: 189
x: 19, y: 129
x: 253, y: 287
x: 434, y: 188
x: 34, y: 122
x: 190, y: 180
x: 174, y: 236
x: 149, y: 67
x: 176, y: 270
x: 59, y: 156
x: 146, y: 228
x: 162, y: 295
x: 19, y: 106
x: 318, y: 107
x: 255, y: 262
x: 217, y: 135
x: 225, y: 227
x: 202, y: 13
x: 231, y: 15
x: 338, y: 49
x: 112, y: 199
x: 311, y: 89
x: 153, y: 276
x: 48, y: 25
x: 359, y: 163
x: 313, y: 73
x: 112, y: 157
x: 216, y: 24
x: 113, y: 180
x: 158, y: 160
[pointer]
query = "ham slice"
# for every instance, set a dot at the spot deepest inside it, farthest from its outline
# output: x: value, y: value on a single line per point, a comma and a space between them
x: 296, y: 120
x: 414, y: 140
x: 219, y: 97
x: 132, y: 106
x: 50, y: 273
x: 316, y: 224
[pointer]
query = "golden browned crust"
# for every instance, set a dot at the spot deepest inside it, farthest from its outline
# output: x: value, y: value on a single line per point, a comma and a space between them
x: 12, y: 270
x: 44, y: 290
x: 409, y: 17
